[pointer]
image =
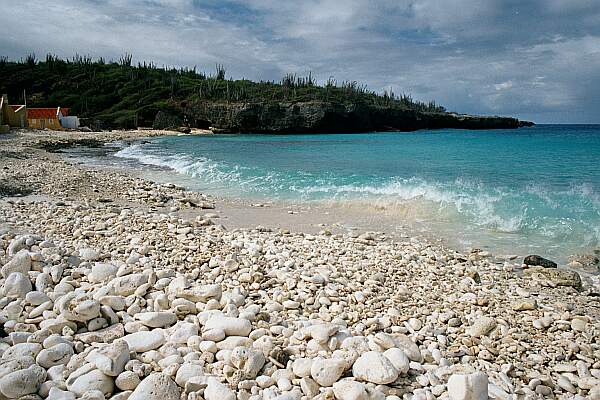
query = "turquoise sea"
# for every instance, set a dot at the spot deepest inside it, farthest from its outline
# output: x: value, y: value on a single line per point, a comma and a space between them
x: 516, y: 191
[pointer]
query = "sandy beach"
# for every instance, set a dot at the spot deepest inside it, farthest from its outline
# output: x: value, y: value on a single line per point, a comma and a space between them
x: 117, y: 287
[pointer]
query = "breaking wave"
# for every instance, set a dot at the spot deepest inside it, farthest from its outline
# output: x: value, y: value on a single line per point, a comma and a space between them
x: 568, y: 215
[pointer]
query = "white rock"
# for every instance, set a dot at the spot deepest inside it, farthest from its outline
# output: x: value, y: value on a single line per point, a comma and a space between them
x: 322, y: 332
x: 182, y: 332
x: 145, y: 340
x: 110, y: 359
x: 8, y: 366
x: 201, y: 293
x: 77, y: 307
x: 102, y: 272
x: 127, y: 380
x: 59, y: 354
x: 409, y: 347
x: 21, y: 350
x: 231, y: 326
x: 217, y: 391
x: 157, y: 319
x: 214, y: 335
x: 17, y: 285
x: 92, y: 380
x: 482, y: 326
x: 327, y: 371
x: 57, y: 394
x: 127, y: 285
x: 374, y: 367
x: 157, y: 386
x: 349, y: 390
x: 398, y: 358
x: 468, y: 387
x: 36, y: 298
x: 186, y: 371
x: 21, y: 262
x: 301, y: 367
x: 247, y: 360
x: 89, y: 254
x: 22, y: 382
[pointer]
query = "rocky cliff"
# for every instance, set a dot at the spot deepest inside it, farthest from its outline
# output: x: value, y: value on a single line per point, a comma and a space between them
x: 326, y: 117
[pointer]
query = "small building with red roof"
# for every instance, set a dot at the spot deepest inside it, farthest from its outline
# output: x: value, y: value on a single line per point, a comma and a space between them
x: 42, y: 118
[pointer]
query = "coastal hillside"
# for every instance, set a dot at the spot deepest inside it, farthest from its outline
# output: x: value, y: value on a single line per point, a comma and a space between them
x: 118, y: 94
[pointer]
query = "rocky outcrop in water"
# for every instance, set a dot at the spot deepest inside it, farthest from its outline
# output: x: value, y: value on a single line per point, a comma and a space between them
x: 328, y: 117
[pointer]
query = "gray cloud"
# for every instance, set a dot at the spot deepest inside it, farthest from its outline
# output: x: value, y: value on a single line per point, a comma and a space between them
x: 538, y: 59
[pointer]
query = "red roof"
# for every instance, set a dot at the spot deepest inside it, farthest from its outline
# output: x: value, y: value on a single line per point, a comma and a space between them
x: 64, y: 111
x: 42, y: 113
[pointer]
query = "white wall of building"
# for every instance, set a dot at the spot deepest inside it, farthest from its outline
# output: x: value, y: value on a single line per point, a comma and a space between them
x: 69, y: 122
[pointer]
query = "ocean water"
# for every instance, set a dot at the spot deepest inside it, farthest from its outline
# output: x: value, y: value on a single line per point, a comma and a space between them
x: 514, y: 191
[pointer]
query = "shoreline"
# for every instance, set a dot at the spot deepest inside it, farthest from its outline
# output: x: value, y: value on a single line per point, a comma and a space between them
x: 244, y: 311
x: 368, y: 214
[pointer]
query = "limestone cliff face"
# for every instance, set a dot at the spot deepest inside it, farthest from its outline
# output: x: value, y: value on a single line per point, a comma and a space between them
x: 326, y: 117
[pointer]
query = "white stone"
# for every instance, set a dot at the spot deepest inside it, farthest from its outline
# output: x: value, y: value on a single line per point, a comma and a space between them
x: 374, y: 367
x: 409, y: 347
x: 59, y: 354
x: 57, y: 394
x: 21, y: 262
x: 127, y: 380
x: 248, y: 361
x: 21, y: 350
x: 17, y: 285
x: 231, y: 326
x: 22, y: 382
x: 349, y: 390
x: 186, y: 371
x: 398, y: 358
x: 327, y: 371
x: 77, y: 307
x: 128, y: 284
x: 468, y: 386
x: 102, y: 272
x: 92, y: 380
x: 217, y: 391
x: 157, y: 319
x: 89, y: 254
x: 8, y: 366
x: 301, y: 367
x: 110, y: 359
x: 482, y: 326
x: 145, y: 340
x: 156, y: 386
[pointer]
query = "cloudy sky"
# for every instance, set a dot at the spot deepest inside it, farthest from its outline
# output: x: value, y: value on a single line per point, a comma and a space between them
x: 534, y: 59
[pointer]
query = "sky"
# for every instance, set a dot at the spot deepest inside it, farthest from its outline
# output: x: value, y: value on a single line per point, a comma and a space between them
x: 533, y: 59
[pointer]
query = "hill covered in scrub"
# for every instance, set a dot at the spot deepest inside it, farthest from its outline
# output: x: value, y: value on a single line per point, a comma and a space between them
x: 118, y: 94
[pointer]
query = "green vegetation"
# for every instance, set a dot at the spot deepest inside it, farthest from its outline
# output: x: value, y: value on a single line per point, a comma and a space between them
x: 124, y: 95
